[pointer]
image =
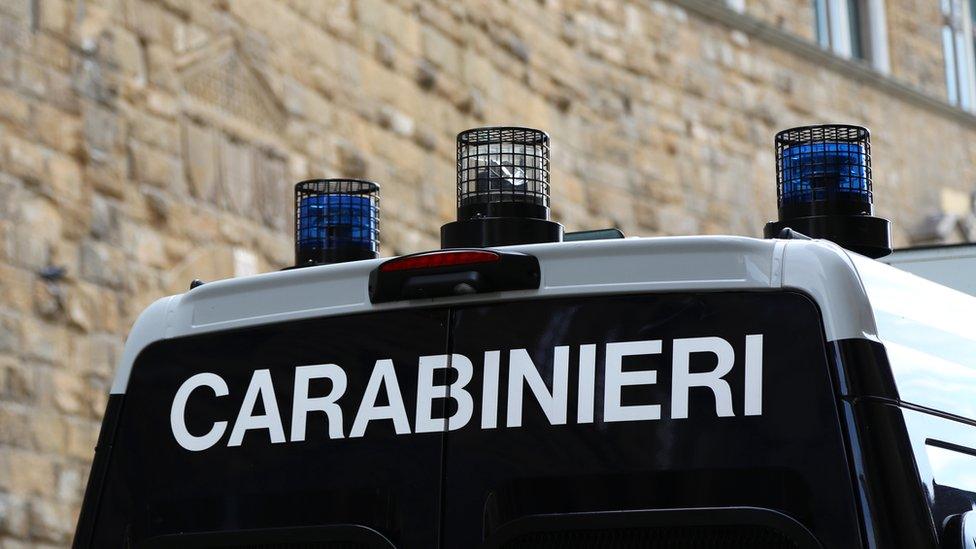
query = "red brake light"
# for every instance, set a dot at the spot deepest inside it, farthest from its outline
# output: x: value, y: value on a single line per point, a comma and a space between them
x: 439, y: 259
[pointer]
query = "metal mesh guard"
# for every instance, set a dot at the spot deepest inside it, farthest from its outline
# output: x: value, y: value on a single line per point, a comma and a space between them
x: 503, y: 165
x: 823, y: 163
x: 336, y: 213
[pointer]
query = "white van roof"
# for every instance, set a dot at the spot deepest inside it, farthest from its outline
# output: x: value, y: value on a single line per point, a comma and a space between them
x: 822, y: 270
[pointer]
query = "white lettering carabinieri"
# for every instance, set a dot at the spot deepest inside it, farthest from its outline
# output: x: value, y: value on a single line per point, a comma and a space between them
x: 553, y: 399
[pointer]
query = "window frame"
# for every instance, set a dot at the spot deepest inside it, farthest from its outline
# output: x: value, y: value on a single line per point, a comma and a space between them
x: 958, y: 37
x: 864, y: 40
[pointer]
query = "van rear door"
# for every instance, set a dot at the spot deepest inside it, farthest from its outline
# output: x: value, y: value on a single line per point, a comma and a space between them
x: 207, y: 451
x: 603, y: 420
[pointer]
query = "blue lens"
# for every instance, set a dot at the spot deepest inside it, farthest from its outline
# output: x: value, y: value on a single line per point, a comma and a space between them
x: 816, y: 172
x: 337, y: 221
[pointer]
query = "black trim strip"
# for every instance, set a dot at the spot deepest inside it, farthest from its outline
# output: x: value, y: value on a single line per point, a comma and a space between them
x: 442, y: 489
x: 893, y: 501
x: 99, y: 469
x: 346, y: 533
x: 704, y: 516
x: 950, y: 446
x: 914, y: 407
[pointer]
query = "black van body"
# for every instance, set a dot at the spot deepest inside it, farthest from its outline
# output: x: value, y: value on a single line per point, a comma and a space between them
x: 626, y: 419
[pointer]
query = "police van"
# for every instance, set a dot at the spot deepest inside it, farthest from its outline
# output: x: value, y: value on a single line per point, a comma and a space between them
x: 525, y: 388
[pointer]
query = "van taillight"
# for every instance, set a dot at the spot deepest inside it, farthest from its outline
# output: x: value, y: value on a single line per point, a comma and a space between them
x: 445, y: 273
x: 429, y: 260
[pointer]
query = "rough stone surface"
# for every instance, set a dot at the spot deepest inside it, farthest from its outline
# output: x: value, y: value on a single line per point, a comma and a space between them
x: 144, y: 143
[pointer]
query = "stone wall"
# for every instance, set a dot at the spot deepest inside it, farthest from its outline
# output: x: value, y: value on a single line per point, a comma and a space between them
x: 795, y: 17
x: 915, y: 44
x: 146, y: 143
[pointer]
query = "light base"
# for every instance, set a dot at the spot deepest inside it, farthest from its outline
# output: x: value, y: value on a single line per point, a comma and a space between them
x: 499, y: 231
x: 865, y: 234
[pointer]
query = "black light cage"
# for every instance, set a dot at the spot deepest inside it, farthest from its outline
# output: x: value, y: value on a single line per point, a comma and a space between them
x: 336, y: 220
x: 824, y: 169
x: 502, y: 172
x: 824, y: 188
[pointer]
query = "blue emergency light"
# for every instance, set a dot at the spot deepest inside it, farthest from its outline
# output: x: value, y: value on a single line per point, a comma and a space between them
x: 824, y: 189
x: 825, y: 172
x: 336, y: 220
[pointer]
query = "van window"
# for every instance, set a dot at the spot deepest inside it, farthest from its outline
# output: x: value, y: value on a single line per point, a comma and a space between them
x: 953, y: 480
x: 282, y: 427
x: 929, y: 335
x: 649, y: 401
x: 442, y: 427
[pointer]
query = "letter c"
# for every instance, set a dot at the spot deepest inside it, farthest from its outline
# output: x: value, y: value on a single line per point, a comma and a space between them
x: 177, y: 415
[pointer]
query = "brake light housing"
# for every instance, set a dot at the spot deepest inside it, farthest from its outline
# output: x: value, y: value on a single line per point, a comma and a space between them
x: 454, y: 272
x: 430, y: 260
